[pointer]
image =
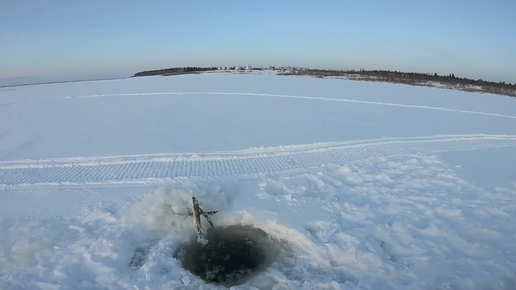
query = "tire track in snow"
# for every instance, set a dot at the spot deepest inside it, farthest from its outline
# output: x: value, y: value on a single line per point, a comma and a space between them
x: 270, y: 95
x: 159, y: 168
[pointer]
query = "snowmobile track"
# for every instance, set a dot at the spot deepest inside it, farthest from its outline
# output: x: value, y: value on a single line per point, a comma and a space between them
x: 246, y: 94
x: 159, y: 168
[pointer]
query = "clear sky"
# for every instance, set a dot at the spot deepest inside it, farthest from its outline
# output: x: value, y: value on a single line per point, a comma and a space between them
x: 110, y: 38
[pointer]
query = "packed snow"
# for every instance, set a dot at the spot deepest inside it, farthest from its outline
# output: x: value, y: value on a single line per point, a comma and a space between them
x: 366, y: 185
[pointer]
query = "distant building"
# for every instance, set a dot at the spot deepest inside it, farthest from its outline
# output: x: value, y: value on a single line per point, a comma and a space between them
x: 272, y: 68
x: 248, y: 67
x: 238, y: 67
x: 220, y: 68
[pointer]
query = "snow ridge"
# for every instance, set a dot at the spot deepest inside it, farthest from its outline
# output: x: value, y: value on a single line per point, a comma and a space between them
x: 159, y: 168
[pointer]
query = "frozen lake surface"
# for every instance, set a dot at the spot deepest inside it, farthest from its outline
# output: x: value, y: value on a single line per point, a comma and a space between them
x: 368, y: 185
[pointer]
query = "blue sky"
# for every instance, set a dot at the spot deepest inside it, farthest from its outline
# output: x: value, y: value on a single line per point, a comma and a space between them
x: 95, y: 39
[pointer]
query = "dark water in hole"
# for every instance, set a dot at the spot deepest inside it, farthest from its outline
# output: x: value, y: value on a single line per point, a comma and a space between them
x: 232, y: 256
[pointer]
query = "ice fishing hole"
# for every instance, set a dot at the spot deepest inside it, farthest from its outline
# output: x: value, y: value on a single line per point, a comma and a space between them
x: 232, y: 256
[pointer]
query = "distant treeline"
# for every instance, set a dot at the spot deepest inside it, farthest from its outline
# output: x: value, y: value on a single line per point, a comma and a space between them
x: 173, y: 71
x: 411, y: 78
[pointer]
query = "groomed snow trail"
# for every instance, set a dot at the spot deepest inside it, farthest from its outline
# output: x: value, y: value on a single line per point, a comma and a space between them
x: 157, y: 168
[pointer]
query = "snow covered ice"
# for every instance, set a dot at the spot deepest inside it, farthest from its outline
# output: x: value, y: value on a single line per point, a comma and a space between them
x: 368, y: 185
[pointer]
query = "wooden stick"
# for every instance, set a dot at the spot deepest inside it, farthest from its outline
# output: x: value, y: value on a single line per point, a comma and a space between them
x: 207, y: 217
x: 204, y: 213
x: 197, y: 217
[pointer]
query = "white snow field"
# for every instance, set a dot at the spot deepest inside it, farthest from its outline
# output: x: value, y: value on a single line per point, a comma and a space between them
x: 367, y: 185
